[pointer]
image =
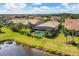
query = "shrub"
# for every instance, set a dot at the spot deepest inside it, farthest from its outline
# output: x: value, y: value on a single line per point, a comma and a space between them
x: 22, y: 31
x: 28, y: 32
x: 14, y: 29
x: 37, y: 36
x: 49, y: 34
x: 25, y: 31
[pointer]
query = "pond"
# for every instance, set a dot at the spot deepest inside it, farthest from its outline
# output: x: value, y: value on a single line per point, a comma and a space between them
x: 11, y: 48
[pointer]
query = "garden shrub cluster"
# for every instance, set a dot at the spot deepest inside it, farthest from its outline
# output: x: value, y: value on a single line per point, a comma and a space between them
x: 37, y: 36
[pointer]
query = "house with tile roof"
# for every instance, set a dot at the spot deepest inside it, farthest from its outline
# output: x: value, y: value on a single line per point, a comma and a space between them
x: 55, y: 18
x: 20, y: 20
x: 72, y: 24
x: 49, y: 25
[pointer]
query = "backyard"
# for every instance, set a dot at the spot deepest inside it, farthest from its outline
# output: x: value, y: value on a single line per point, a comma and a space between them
x: 53, y: 45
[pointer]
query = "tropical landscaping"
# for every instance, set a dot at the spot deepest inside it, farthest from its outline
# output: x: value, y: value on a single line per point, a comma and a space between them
x: 61, y: 43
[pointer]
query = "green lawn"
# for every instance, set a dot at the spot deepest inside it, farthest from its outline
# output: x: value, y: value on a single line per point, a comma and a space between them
x: 56, y: 45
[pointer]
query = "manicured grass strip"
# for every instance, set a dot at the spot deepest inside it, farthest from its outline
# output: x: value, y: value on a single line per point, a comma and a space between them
x: 56, y: 45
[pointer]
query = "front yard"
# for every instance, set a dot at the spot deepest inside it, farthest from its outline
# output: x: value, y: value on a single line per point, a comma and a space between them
x: 56, y: 45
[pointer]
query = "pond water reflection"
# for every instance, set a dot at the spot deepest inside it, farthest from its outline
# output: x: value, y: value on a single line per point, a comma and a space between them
x: 11, y: 48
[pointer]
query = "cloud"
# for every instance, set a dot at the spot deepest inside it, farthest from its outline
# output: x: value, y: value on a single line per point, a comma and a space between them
x: 22, y: 8
x: 76, y: 6
x: 41, y: 8
x: 65, y: 5
x: 37, y: 3
x: 13, y: 8
x: 36, y: 8
x: 15, y: 5
x: 44, y: 8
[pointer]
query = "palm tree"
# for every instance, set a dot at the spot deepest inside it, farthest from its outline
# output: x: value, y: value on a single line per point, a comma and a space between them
x: 73, y: 33
x: 78, y: 33
x: 30, y: 26
x: 0, y: 28
x: 1, y: 25
x: 66, y: 34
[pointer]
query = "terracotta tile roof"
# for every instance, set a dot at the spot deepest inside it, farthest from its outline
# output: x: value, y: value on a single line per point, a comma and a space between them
x: 55, y: 18
x: 34, y: 17
x: 12, y: 17
x: 72, y: 24
x: 33, y: 21
x: 20, y: 20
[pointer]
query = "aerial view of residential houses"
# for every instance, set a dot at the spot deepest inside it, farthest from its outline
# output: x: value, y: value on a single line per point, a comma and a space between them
x: 40, y: 34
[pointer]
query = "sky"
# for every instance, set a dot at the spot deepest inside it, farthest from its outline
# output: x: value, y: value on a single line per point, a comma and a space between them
x: 39, y: 8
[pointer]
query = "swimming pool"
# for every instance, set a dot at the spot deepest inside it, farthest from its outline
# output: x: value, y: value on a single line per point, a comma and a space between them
x: 40, y: 32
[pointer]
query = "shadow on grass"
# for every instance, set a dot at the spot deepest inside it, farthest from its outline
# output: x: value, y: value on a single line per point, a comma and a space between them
x: 2, y: 32
x: 57, y: 32
x: 74, y: 44
x: 55, y: 35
